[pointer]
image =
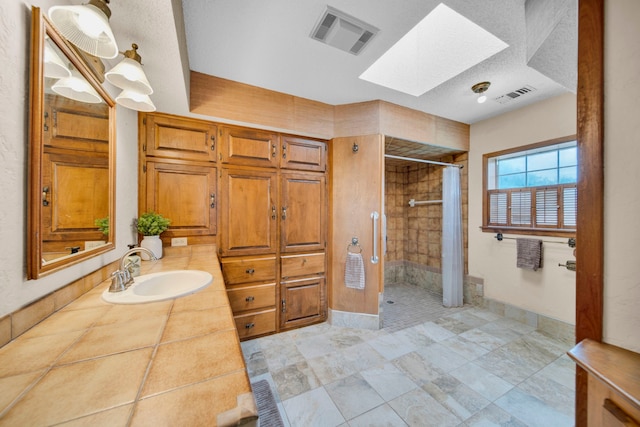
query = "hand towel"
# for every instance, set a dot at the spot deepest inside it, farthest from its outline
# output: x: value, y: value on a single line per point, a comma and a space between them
x: 529, y: 254
x: 354, y: 271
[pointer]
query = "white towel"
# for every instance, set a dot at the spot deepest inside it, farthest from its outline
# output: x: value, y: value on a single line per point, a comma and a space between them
x: 354, y: 271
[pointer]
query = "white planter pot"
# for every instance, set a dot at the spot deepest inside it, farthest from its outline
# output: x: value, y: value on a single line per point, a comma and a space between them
x: 154, y: 244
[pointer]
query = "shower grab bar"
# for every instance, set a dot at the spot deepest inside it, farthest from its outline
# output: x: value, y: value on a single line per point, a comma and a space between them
x: 414, y: 202
x: 374, y: 257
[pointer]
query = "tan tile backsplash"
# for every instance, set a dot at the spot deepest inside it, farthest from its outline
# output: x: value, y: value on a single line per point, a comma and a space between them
x: 23, y: 319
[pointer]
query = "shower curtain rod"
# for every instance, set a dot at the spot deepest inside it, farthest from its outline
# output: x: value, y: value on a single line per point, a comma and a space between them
x: 422, y: 161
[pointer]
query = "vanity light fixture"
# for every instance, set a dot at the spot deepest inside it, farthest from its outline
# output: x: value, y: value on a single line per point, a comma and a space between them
x: 77, y: 88
x: 87, y: 27
x: 129, y: 76
x: 480, y: 89
x: 128, y: 73
x: 135, y: 101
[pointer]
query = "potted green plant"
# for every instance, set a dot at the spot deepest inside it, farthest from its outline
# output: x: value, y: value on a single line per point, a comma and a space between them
x: 151, y: 225
x: 103, y: 225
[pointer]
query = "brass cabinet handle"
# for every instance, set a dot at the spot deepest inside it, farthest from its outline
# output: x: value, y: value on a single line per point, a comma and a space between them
x: 45, y: 193
x: 249, y: 271
x: 249, y: 325
x: 273, y: 212
x: 213, y: 143
x: 249, y: 299
x: 284, y: 306
x: 284, y: 151
x: 212, y: 197
x: 284, y: 213
x: 273, y: 150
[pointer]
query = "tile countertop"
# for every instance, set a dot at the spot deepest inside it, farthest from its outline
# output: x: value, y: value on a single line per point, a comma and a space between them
x: 174, y: 362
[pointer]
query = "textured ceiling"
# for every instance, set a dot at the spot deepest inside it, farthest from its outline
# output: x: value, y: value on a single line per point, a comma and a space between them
x: 267, y: 44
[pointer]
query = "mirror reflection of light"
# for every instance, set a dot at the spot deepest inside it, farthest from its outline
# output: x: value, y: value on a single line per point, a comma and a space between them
x: 76, y: 88
x: 53, y: 65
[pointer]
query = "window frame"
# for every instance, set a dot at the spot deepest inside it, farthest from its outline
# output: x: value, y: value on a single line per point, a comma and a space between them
x: 533, y: 230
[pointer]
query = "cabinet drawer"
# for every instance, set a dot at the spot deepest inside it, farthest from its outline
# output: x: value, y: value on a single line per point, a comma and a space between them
x: 247, y: 270
x: 252, y: 297
x: 249, y: 325
x: 302, y: 265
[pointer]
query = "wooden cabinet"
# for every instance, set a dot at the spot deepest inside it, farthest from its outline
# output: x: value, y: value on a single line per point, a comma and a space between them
x: 75, y: 175
x: 251, y: 289
x: 613, y: 387
x: 302, y: 289
x: 74, y: 125
x: 279, y: 209
x: 178, y: 175
x: 176, y: 137
x: 184, y: 193
x: 248, y: 210
x: 303, y: 302
x: 303, y: 154
x: 249, y: 147
x: 303, y: 212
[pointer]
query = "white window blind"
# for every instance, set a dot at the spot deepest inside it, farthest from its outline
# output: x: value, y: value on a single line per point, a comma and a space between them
x: 547, y: 207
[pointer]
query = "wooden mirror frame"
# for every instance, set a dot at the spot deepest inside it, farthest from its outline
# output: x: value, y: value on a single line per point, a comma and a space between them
x: 36, y: 268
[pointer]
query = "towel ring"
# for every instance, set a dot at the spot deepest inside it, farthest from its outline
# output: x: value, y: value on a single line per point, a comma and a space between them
x: 354, y: 244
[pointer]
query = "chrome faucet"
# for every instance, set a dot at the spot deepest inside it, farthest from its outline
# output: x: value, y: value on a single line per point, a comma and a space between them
x: 121, y: 279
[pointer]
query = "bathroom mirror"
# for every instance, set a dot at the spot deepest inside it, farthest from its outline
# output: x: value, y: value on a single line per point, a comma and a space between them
x: 71, y: 200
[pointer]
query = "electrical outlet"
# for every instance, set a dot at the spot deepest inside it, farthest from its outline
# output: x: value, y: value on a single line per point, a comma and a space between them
x: 93, y: 244
x: 179, y: 241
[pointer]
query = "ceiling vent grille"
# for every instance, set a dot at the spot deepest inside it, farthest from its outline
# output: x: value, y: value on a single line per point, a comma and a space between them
x: 343, y: 31
x: 515, y: 94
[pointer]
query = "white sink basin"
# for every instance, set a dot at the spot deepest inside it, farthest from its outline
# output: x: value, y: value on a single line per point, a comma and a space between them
x: 160, y: 286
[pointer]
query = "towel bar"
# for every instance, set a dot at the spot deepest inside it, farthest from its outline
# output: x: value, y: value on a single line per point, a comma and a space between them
x: 571, y: 242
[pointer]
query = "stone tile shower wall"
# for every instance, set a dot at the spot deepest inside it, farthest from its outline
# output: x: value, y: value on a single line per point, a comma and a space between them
x: 414, y: 235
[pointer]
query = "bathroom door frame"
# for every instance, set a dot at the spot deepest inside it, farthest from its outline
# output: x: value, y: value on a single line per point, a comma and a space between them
x: 590, y: 219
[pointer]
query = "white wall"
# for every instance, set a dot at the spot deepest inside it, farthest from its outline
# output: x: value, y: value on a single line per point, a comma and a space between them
x: 15, y: 290
x: 622, y: 174
x: 551, y: 290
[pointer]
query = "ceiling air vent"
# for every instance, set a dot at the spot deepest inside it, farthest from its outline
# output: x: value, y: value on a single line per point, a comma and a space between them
x: 343, y: 31
x: 515, y: 94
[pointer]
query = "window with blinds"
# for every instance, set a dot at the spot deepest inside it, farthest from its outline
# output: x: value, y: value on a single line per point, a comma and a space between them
x: 532, y: 188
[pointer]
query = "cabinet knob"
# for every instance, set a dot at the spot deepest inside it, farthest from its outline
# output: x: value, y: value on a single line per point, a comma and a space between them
x: 249, y: 325
x: 249, y: 299
x: 250, y: 271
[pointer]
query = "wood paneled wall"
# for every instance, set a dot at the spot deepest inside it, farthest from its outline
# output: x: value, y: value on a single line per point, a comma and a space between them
x: 226, y: 99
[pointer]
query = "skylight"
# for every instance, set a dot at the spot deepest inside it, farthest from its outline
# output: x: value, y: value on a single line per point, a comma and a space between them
x: 441, y: 46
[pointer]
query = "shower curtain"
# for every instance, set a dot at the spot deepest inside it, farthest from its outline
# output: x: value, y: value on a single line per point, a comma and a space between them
x: 452, y: 255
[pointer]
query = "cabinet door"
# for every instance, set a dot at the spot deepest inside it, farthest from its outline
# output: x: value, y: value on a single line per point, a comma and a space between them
x: 248, y: 212
x: 249, y: 147
x: 303, y: 302
x: 179, y: 137
x: 303, y: 212
x: 184, y: 193
x: 76, y: 125
x: 303, y: 154
x: 75, y: 194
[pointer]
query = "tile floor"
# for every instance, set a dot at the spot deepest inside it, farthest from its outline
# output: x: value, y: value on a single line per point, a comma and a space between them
x: 433, y: 367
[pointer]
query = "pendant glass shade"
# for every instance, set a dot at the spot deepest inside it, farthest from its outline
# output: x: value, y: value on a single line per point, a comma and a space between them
x: 87, y: 27
x: 128, y: 75
x: 77, y: 88
x: 135, y: 101
x: 54, y: 67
